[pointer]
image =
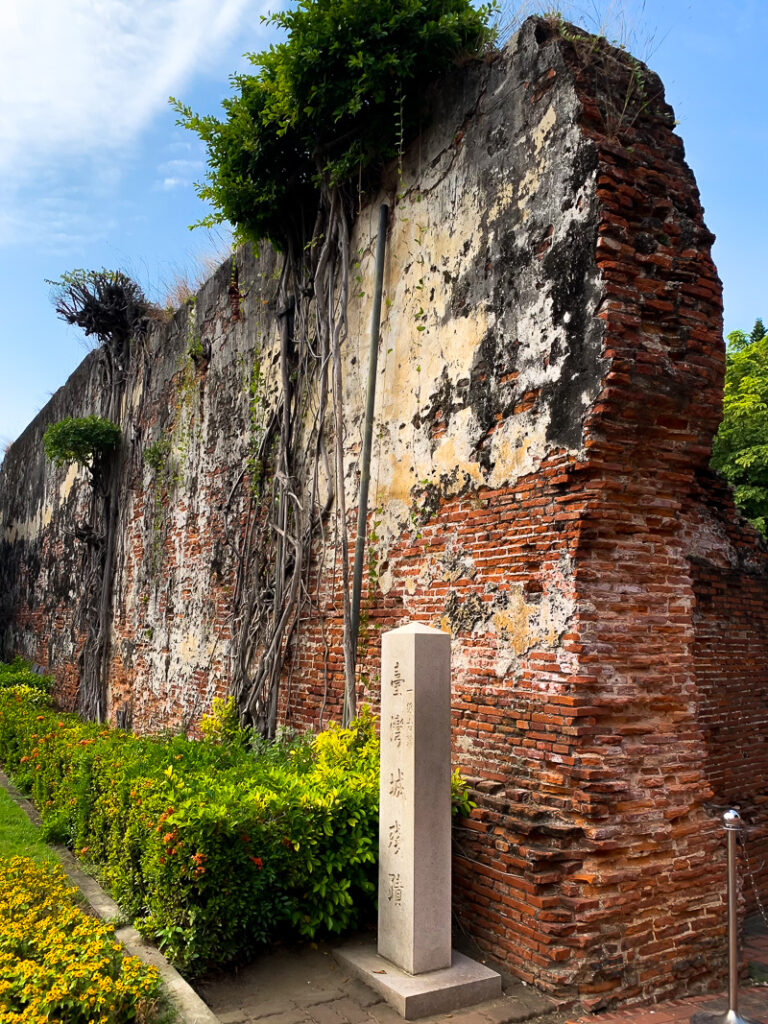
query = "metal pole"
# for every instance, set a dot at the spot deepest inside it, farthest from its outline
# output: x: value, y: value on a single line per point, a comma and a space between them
x: 733, y: 824
x: 365, y: 458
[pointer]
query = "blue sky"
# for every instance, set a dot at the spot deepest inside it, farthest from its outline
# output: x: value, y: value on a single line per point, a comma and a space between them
x: 94, y: 172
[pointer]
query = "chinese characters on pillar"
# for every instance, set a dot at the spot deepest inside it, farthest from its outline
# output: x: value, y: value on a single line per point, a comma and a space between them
x: 400, y: 728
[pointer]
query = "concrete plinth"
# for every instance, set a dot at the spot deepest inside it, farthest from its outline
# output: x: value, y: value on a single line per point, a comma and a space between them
x: 464, y: 983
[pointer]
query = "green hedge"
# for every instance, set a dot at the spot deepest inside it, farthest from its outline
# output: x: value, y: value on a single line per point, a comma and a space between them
x: 19, y: 673
x: 212, y: 852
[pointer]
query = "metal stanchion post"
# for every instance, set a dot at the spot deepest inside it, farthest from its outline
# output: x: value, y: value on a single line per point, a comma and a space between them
x: 733, y: 824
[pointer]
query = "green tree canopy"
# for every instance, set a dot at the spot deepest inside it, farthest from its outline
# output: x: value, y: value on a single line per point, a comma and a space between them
x: 337, y: 96
x: 740, y: 449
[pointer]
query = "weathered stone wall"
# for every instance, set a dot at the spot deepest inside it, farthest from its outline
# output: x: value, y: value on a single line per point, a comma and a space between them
x: 550, y: 369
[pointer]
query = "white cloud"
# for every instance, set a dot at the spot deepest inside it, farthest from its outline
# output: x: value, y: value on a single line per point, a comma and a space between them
x: 179, y: 173
x: 184, y: 167
x: 81, y: 80
x: 92, y: 73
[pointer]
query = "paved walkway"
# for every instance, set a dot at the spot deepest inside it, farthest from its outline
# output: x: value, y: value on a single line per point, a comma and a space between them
x: 308, y: 987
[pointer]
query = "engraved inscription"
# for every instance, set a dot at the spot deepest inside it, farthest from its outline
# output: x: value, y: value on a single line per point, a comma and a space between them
x: 394, y: 837
x: 396, y: 724
x: 397, y: 680
x: 396, y: 783
x: 395, y: 889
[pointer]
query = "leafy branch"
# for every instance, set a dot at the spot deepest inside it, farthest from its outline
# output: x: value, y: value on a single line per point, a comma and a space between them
x: 740, y: 448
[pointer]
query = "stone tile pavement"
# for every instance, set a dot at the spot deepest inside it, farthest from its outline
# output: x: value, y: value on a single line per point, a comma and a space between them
x: 307, y: 986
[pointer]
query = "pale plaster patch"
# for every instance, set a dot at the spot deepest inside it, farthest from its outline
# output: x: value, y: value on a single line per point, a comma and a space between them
x: 66, y: 485
x: 504, y: 199
x: 517, y: 447
x: 544, y: 127
x: 513, y: 623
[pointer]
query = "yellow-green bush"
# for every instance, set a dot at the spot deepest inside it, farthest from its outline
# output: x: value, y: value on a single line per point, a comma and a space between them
x: 56, y: 963
x: 213, y: 852
x: 19, y: 673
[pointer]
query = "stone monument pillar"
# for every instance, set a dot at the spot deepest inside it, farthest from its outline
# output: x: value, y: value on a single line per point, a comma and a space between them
x: 415, y: 799
x: 415, y: 969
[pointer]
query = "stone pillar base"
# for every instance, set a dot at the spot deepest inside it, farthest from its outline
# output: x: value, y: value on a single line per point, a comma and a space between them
x: 464, y: 983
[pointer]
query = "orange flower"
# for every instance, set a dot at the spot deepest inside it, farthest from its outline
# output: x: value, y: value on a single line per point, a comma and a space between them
x: 258, y: 862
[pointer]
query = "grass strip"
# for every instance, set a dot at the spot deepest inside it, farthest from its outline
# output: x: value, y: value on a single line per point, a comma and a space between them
x: 18, y: 836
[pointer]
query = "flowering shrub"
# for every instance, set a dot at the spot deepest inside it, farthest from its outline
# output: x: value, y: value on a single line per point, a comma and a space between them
x: 211, y: 851
x: 56, y: 963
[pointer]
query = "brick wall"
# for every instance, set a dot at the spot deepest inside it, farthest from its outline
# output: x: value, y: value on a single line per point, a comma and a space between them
x: 550, y: 368
x: 730, y: 621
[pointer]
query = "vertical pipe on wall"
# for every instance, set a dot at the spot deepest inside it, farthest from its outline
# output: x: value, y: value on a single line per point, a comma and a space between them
x: 365, y: 458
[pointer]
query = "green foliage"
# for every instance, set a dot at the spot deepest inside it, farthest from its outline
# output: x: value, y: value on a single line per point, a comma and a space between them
x: 737, y: 341
x: 334, y: 99
x: 212, y: 851
x: 57, y: 963
x: 222, y: 724
x: 740, y: 448
x: 156, y: 454
x: 83, y: 439
x: 19, y: 673
x: 461, y: 803
x: 758, y: 331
